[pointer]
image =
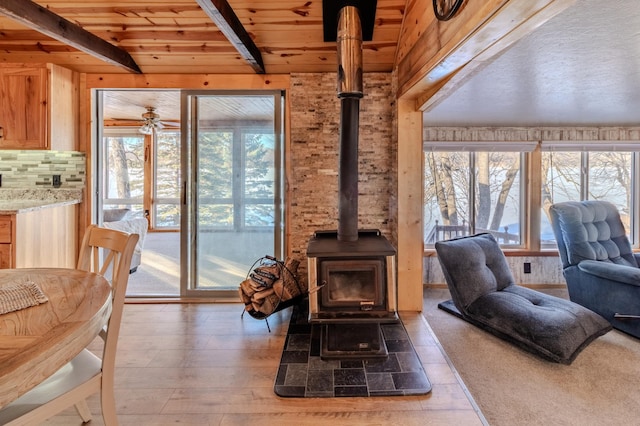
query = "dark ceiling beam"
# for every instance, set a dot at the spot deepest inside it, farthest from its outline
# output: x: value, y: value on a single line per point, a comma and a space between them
x: 46, y: 22
x: 228, y: 23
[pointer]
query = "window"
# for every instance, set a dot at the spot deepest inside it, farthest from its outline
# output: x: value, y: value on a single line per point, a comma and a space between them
x: 233, y: 209
x: 123, y: 159
x: 474, y: 188
x: 215, y: 178
x: 167, y: 180
x: 127, y: 170
x: 237, y: 178
x: 479, y: 187
x: 259, y: 181
x: 579, y: 171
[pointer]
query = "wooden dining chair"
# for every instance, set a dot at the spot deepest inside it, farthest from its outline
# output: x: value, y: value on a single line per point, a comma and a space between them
x: 106, y: 252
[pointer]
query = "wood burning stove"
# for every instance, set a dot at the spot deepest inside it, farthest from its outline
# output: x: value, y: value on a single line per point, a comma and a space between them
x: 352, y: 290
x: 352, y: 285
x: 352, y: 280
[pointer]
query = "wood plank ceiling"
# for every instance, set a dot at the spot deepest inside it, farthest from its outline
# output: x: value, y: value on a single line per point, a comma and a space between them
x: 177, y: 36
x: 574, y: 64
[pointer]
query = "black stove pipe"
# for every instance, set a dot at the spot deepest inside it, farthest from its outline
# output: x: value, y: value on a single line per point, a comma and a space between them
x: 349, y: 91
x: 348, y: 176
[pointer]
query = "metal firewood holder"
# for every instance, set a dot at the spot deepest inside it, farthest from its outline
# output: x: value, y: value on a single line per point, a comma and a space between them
x: 281, y: 304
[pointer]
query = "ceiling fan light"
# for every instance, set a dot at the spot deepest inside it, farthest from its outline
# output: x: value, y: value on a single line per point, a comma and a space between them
x: 151, y: 122
x: 146, y: 129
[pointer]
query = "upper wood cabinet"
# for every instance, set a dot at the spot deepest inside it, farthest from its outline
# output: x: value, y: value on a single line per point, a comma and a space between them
x: 37, y: 107
x: 23, y: 108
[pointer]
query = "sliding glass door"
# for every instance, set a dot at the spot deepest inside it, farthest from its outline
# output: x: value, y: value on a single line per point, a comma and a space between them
x: 139, y: 181
x: 231, y: 206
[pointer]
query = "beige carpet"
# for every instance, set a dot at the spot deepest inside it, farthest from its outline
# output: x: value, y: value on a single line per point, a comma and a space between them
x: 512, y: 387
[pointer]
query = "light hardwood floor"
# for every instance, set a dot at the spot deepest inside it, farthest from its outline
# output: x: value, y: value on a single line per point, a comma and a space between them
x: 201, y: 364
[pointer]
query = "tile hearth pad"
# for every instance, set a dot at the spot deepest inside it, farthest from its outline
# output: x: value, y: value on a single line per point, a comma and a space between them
x: 302, y: 373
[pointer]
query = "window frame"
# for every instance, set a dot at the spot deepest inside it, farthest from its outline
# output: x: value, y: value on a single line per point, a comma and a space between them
x: 239, y: 199
x: 584, y: 148
x: 115, y: 202
x: 531, y: 183
x: 524, y: 148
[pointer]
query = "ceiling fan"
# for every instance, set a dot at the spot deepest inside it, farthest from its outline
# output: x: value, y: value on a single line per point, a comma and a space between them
x: 150, y: 121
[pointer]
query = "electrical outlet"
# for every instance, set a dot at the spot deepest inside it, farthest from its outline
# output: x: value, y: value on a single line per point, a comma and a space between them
x: 527, y: 267
x: 57, y: 181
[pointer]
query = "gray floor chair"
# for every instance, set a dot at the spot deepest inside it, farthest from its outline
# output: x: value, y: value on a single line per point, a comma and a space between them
x: 484, y: 294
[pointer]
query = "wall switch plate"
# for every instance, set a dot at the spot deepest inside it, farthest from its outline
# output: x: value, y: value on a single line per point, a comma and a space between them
x: 57, y: 181
x: 527, y: 267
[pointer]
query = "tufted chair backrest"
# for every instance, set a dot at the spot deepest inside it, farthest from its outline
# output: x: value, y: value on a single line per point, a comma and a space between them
x: 473, y: 266
x: 590, y: 230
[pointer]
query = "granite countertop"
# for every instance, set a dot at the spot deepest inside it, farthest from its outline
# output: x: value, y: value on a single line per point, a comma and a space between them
x: 14, y: 201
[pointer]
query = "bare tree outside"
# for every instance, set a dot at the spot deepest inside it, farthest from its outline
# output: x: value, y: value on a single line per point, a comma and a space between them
x: 448, y: 186
x: 124, y: 174
x: 601, y: 175
x: 505, y: 183
x: 443, y: 190
x: 576, y: 175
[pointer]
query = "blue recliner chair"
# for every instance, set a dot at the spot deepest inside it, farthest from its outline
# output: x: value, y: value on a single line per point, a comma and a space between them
x: 601, y: 270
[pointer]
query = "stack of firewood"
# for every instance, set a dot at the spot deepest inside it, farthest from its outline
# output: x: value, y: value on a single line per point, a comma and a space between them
x: 270, y: 284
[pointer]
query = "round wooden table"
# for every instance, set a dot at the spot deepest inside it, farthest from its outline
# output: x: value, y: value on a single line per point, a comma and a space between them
x: 36, y: 341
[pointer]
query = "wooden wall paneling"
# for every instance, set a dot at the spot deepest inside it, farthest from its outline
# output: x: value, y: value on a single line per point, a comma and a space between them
x: 149, y: 164
x: 63, y: 108
x: 86, y: 112
x: 410, y: 207
x: 187, y: 81
x: 418, y: 14
x: 437, y: 41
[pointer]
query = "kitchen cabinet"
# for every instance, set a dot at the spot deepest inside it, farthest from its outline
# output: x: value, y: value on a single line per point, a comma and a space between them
x: 43, y: 237
x: 6, y: 246
x: 37, y: 107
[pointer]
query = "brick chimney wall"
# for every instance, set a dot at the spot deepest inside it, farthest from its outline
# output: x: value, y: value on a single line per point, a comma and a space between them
x: 313, y: 158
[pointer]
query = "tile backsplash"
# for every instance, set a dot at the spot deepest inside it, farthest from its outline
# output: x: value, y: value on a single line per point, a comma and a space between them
x: 35, y: 169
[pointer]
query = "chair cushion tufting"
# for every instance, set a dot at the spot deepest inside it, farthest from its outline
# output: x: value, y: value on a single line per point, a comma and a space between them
x: 591, y: 230
x: 555, y: 328
x: 484, y: 294
x: 478, y: 262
